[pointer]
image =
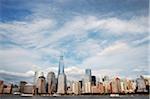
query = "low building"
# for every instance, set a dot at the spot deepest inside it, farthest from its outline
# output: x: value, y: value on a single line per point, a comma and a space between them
x: 1, y: 86
x: 76, y: 88
x: 106, y: 85
x: 15, y: 89
x: 87, y: 87
x: 7, y: 89
x: 29, y: 89
x: 141, y: 86
x: 101, y: 88
x: 94, y: 90
x: 22, y: 84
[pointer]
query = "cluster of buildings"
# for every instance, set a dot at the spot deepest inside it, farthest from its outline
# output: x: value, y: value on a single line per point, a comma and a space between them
x: 88, y: 85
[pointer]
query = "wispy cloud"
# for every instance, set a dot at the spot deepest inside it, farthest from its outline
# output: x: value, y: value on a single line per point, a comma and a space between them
x: 89, y: 37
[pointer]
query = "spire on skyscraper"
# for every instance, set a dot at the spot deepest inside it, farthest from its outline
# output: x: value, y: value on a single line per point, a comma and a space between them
x: 61, y: 65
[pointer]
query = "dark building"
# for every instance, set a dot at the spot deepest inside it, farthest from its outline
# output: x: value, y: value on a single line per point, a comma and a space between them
x: 88, y: 72
x: 80, y: 83
x: 93, y: 80
x: 22, y: 84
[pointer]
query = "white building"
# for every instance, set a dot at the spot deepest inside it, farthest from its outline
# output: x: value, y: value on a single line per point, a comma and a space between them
x: 61, y: 88
x: 76, y: 88
x: 87, y: 87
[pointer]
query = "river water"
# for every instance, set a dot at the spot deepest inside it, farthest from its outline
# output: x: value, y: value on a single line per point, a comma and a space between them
x: 76, y: 97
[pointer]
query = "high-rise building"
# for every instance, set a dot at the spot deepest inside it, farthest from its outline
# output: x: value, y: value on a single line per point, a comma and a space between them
x: 41, y: 83
x: 88, y: 72
x: 87, y: 81
x: 61, y: 66
x: 61, y: 85
x: 93, y: 80
x: 51, y: 82
x: 87, y: 76
x: 115, y: 86
x: 37, y: 75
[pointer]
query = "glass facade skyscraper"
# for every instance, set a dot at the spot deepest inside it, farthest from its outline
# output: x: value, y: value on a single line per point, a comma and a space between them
x: 61, y: 87
x: 88, y: 72
x: 61, y: 66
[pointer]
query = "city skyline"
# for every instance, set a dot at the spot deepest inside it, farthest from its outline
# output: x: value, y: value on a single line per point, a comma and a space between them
x: 110, y: 37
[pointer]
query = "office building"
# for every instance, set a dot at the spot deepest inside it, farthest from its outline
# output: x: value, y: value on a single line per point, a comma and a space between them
x: 87, y: 81
x: 41, y: 85
x: 7, y: 89
x: 105, y: 79
x: 93, y: 80
x: 22, y: 84
x: 115, y: 85
x: 88, y: 72
x: 87, y: 87
x: 61, y: 85
x: 29, y: 89
x: 1, y: 86
x: 76, y: 88
x: 141, y: 86
x: 94, y: 90
x: 51, y: 83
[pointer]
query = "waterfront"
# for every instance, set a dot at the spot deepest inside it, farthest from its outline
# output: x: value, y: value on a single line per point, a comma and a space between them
x: 76, y: 97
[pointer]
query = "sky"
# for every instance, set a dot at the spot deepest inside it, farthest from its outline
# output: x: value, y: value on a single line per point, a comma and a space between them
x: 111, y: 37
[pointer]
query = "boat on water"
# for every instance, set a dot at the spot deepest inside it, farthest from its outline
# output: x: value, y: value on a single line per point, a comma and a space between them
x: 56, y: 95
x: 16, y: 93
x: 26, y: 95
x: 114, y: 95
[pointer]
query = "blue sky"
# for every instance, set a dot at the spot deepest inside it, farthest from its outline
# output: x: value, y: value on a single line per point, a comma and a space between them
x: 108, y: 36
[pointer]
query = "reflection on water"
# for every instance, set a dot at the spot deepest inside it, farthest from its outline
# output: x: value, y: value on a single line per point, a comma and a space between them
x: 76, y: 97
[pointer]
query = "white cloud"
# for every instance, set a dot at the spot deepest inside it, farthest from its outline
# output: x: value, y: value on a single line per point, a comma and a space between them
x: 44, y: 35
x: 114, y: 25
x: 27, y: 33
x: 27, y: 27
x: 119, y: 56
x: 88, y: 48
x: 73, y: 70
x: 23, y: 74
x: 33, y: 33
x: 79, y: 26
x: 140, y: 41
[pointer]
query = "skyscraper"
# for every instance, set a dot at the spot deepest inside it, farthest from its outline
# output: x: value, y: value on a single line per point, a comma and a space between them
x: 61, y: 66
x: 61, y: 86
x: 93, y: 80
x: 88, y: 72
x: 41, y: 82
x: 87, y: 81
x: 51, y: 82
